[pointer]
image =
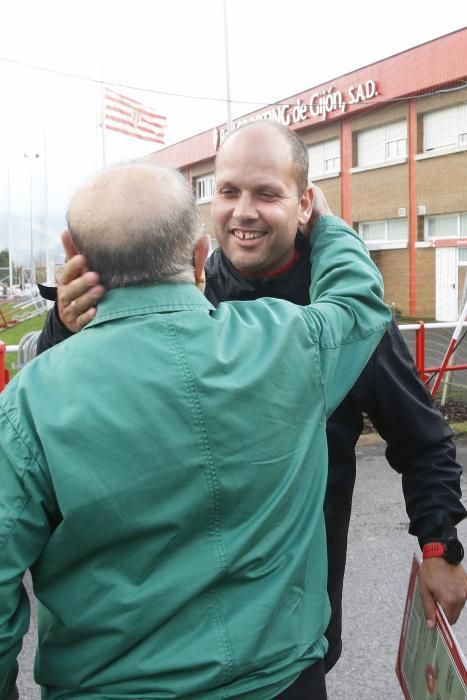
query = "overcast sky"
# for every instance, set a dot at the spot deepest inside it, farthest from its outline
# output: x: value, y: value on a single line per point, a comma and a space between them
x: 175, y: 50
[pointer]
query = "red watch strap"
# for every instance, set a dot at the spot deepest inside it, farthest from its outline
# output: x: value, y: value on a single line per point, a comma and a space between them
x: 433, y: 549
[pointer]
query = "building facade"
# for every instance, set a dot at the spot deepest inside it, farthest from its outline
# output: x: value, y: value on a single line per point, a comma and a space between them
x: 388, y: 146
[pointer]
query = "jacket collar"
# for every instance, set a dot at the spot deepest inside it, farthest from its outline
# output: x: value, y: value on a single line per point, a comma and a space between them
x: 153, y: 299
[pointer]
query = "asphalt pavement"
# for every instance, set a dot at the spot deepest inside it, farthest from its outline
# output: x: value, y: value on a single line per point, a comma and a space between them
x: 379, y: 560
x: 378, y: 564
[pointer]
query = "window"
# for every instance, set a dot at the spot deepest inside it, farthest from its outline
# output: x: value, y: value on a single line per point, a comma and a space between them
x: 325, y: 159
x: 386, y: 233
x: 383, y: 144
x: 446, y: 226
x: 445, y: 129
x: 204, y: 188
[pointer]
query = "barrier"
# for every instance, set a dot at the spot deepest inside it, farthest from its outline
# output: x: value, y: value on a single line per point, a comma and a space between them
x: 26, y: 351
x: 27, y: 348
x: 427, y: 374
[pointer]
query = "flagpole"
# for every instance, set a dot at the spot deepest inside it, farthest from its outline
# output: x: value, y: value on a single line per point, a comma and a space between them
x: 104, y: 158
x: 10, y: 258
x: 227, y: 69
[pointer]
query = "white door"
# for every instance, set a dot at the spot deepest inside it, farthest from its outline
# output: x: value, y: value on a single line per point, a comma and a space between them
x: 446, y: 284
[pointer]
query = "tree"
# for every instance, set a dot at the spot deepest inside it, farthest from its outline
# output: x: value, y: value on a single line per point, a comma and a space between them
x: 4, y: 258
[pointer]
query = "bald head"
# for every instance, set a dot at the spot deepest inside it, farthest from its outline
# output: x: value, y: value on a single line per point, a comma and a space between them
x: 136, y: 224
x: 262, y: 131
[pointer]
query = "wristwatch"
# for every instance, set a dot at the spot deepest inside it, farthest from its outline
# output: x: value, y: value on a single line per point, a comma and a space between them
x: 452, y: 550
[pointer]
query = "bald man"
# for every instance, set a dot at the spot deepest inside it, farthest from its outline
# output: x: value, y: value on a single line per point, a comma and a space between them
x: 170, y: 507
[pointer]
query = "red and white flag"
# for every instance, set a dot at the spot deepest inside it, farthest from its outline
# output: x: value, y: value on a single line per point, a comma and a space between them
x: 133, y: 118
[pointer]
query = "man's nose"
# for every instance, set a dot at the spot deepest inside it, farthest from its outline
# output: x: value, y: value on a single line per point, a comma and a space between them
x: 245, y: 207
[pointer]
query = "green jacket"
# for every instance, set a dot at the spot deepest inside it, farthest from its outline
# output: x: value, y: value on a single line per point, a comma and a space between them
x: 163, y: 472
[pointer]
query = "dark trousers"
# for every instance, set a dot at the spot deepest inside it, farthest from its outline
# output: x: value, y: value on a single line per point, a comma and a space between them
x: 310, y: 685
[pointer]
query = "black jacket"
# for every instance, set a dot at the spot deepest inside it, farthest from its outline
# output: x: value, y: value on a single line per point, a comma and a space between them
x: 419, y: 441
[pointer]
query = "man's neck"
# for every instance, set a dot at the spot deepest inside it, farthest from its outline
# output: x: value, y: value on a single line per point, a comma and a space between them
x: 296, y: 255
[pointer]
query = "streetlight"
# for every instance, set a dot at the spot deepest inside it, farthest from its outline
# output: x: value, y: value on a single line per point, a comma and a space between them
x: 31, y: 157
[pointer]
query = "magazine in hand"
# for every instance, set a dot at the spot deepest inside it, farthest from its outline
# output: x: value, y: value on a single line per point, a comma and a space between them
x: 430, y: 664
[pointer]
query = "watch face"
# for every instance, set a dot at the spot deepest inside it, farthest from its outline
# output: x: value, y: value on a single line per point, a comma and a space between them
x: 454, y: 552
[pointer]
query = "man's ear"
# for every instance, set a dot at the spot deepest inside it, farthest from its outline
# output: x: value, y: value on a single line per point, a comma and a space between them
x: 69, y: 246
x: 200, y: 255
x: 305, y: 207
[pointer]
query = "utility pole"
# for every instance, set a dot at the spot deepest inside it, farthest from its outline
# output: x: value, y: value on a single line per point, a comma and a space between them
x: 227, y: 69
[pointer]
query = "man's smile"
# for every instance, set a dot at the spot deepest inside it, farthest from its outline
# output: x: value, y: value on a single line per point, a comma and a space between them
x: 243, y: 235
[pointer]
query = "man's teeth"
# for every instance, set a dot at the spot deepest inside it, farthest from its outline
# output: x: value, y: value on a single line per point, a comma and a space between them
x: 247, y: 235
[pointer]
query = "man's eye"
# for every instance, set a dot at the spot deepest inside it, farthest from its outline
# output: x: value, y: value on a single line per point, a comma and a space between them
x: 227, y: 192
x: 265, y: 194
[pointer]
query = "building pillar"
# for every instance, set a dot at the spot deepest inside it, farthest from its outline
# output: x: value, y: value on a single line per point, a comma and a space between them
x: 412, y: 148
x: 346, y: 164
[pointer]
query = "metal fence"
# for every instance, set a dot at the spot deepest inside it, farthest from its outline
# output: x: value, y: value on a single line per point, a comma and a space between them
x: 428, y: 344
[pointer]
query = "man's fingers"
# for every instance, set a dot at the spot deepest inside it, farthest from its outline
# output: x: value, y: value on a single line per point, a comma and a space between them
x: 84, y: 288
x: 78, y: 290
x: 320, y: 207
x: 444, y: 583
x: 75, y: 319
x: 75, y: 312
x: 429, y: 605
x: 74, y: 268
x: 69, y: 246
x: 83, y: 319
x: 452, y: 600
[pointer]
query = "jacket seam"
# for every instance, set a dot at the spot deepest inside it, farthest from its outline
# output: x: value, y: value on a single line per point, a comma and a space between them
x: 21, y: 439
x: 146, y: 309
x: 351, y: 340
x: 11, y: 522
x: 213, y: 485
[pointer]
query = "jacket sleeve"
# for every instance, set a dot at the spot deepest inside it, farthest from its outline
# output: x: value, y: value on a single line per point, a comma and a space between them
x: 419, y: 440
x: 347, y: 314
x: 24, y: 530
x: 53, y: 332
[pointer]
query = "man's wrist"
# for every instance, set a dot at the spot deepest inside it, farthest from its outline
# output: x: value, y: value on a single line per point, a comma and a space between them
x: 451, y: 550
x: 428, y: 532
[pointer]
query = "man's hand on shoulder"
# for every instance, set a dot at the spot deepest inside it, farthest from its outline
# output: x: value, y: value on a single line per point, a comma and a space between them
x: 320, y: 208
x: 78, y: 289
x: 443, y: 583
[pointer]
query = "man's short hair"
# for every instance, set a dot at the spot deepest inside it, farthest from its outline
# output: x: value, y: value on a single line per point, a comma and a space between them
x: 298, y: 150
x: 136, y: 224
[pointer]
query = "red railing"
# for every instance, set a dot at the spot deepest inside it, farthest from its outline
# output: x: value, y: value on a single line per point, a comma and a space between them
x: 426, y: 374
x: 4, y: 373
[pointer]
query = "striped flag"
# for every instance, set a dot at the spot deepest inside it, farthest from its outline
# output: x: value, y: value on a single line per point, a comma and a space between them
x: 133, y: 118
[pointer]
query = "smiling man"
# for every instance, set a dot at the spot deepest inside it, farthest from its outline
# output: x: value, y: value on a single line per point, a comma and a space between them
x: 261, y: 196
x: 260, y: 199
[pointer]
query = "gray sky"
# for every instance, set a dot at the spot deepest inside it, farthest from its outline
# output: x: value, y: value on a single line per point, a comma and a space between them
x: 176, y: 47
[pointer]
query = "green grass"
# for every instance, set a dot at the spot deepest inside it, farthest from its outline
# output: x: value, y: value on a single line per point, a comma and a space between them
x: 12, y: 336
x: 459, y: 428
x: 7, y: 308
